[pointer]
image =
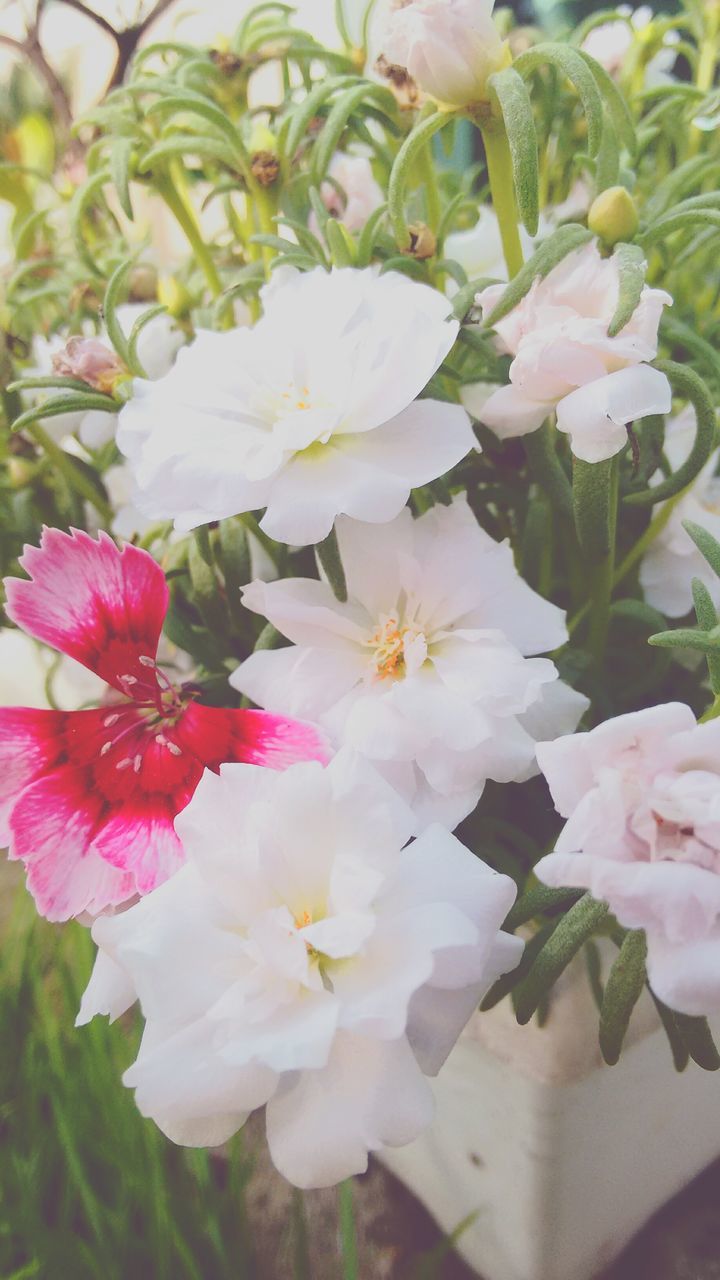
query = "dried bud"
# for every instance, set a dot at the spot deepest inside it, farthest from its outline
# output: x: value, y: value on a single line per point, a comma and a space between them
x: 402, y: 84
x: 143, y: 283
x: 228, y: 64
x: 613, y: 215
x: 91, y: 361
x: 423, y: 242
x: 265, y: 168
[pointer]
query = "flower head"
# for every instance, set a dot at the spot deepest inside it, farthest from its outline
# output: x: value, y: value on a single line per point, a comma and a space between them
x: 641, y: 794
x: 448, y: 47
x: 304, y: 959
x: 424, y: 669
x: 88, y: 798
x: 310, y: 413
x: 90, y: 360
x: 351, y: 193
x: 564, y: 361
x: 672, y: 560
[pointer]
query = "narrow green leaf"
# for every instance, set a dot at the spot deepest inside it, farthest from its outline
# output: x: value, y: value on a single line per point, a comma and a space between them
x: 632, y: 267
x: 134, y: 363
x: 310, y: 107
x: 115, y: 291
x: 516, y: 108
x: 707, y: 617
x: 57, y: 382
x: 546, y: 468
x: 120, y: 157
x: 205, y: 590
x: 577, y: 69
x: 615, y: 103
x: 689, y: 386
x: 234, y: 558
x: 269, y: 638
x: 72, y: 403
x: 337, y: 120
x: 552, y: 251
x: 708, y: 546
x: 507, y: 983
x: 328, y: 553
x: 402, y: 168
x: 670, y: 223
x: 678, y: 1048
x: 185, y: 145
x: 538, y: 900
x: 366, y: 241
x: 592, y: 490
x: 698, y: 1040
x: 686, y: 638
x: 574, y: 929
x: 624, y: 986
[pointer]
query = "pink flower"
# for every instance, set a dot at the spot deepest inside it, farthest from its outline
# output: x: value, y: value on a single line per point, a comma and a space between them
x: 88, y: 798
x: 91, y: 361
x: 642, y: 797
x: 359, y: 194
x: 565, y: 362
x: 448, y: 47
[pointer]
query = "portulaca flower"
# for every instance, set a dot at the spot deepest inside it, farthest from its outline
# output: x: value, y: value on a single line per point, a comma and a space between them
x: 672, y: 560
x: 611, y: 42
x: 310, y: 414
x: 305, y: 960
x: 565, y: 362
x: 424, y: 669
x: 157, y: 347
x: 641, y: 794
x: 448, y: 47
x: 358, y: 195
x: 479, y: 249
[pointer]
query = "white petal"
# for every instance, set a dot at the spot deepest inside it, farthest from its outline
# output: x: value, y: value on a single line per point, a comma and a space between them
x: 596, y: 414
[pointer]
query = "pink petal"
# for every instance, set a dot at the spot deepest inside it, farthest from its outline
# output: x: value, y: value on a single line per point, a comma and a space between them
x: 140, y: 839
x: 30, y: 744
x: 102, y: 606
x: 216, y: 735
x: 52, y: 826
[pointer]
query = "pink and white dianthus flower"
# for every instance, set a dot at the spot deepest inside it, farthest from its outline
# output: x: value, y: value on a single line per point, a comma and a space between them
x: 425, y: 669
x: 310, y: 413
x: 641, y: 794
x: 88, y: 798
x: 565, y: 362
x: 305, y: 957
x: 448, y: 47
x: 672, y: 560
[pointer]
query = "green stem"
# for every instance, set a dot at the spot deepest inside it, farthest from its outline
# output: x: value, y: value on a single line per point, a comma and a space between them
x: 595, y: 498
x: 348, y: 1240
x: 185, y: 217
x: 73, y: 476
x: 432, y: 193
x: 502, y: 190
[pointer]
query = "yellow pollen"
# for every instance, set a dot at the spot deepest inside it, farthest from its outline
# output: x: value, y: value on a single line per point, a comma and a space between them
x: 303, y: 920
x: 389, y: 644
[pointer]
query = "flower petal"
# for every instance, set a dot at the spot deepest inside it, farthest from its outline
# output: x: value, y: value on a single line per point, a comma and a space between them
x: 102, y: 606
x: 596, y: 415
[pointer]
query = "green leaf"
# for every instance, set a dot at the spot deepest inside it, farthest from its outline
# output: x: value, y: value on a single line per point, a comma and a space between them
x: 516, y: 108
x: 708, y: 546
x: 689, y: 386
x: 120, y: 157
x: 134, y: 363
x: 56, y: 381
x: 233, y: 554
x: 632, y: 266
x: 309, y: 108
x: 593, y: 509
x: 402, y: 168
x: 205, y: 591
x: 538, y: 900
x: 547, y: 469
x: 677, y: 331
x: 340, y: 243
x: 328, y: 553
x: 188, y: 145
x: 673, y: 222
x: 707, y: 620
x: 269, y: 638
x: 336, y: 123
x: 567, y: 938
x: 615, y: 103
x: 75, y: 402
x: 506, y: 984
x: 578, y: 70
x: 366, y: 241
x: 624, y: 986
x: 552, y: 251
x: 678, y: 1048
x: 686, y: 638
x: 115, y: 290
x: 698, y: 1040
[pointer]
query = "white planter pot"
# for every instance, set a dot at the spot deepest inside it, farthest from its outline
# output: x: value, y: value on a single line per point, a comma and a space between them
x: 561, y: 1158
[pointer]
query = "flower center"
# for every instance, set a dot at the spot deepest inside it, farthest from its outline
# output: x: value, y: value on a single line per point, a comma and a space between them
x: 155, y: 705
x: 388, y: 642
x: 296, y: 398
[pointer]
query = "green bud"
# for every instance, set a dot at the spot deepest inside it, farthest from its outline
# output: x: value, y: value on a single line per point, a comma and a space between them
x: 613, y: 215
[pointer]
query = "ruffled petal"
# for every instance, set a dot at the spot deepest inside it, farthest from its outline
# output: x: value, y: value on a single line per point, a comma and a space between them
x: 102, y: 606
x: 31, y: 743
x: 219, y: 735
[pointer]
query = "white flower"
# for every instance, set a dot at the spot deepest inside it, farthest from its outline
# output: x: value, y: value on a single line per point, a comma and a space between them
x: 157, y: 347
x: 672, y: 560
x: 641, y: 794
x: 448, y: 47
x: 564, y: 360
x: 479, y: 249
x: 423, y: 670
x: 302, y: 958
x: 610, y: 43
x: 310, y: 414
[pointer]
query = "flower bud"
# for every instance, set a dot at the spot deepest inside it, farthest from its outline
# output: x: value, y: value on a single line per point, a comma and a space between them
x: 173, y: 295
x: 91, y: 361
x: 613, y: 215
x: 423, y: 242
x: 448, y: 47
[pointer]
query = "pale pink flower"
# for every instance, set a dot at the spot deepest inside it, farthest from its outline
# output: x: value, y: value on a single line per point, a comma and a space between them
x: 91, y: 361
x: 565, y: 362
x: 641, y: 794
x: 448, y: 47
x: 358, y: 196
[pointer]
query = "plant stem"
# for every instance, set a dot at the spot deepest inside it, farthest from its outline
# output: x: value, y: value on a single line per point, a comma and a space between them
x: 348, y: 1240
x: 73, y: 476
x: 502, y: 190
x: 185, y: 216
x: 595, y: 492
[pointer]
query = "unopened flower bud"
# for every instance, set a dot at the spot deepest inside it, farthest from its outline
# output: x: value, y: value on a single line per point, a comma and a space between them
x: 448, y: 47
x: 91, y: 361
x: 174, y: 296
x: 143, y: 283
x: 423, y: 242
x: 613, y: 215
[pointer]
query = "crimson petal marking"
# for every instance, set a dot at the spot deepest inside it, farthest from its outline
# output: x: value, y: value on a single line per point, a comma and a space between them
x: 31, y: 743
x: 218, y: 735
x: 140, y: 838
x: 52, y: 825
x: 101, y: 606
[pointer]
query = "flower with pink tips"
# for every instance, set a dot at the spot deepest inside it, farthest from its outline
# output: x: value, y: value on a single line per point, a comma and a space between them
x: 88, y: 798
